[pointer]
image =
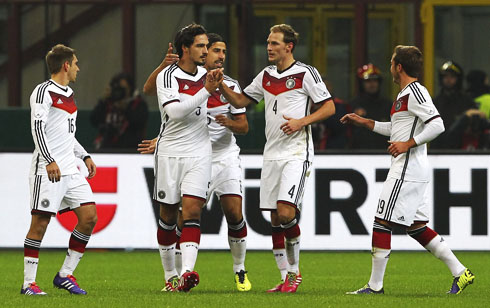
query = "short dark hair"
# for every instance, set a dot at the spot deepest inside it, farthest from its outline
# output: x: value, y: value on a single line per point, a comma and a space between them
x: 213, y: 38
x: 410, y: 57
x: 290, y: 35
x: 57, y: 56
x: 185, y: 37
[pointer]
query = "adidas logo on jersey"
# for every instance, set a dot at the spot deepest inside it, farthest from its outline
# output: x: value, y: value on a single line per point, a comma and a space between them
x: 186, y: 87
x: 268, y: 83
x: 59, y: 101
x: 401, y: 218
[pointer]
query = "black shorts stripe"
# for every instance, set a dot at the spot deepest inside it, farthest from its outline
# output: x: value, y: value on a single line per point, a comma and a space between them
x: 36, y: 191
x: 301, y: 185
x: 393, y: 197
x: 407, y: 157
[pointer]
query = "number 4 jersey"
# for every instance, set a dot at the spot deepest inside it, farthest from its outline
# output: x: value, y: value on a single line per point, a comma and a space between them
x: 288, y: 94
x: 53, y: 125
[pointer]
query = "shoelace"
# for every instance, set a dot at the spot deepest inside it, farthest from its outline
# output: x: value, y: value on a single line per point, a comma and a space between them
x: 35, y: 287
x: 73, y: 279
x: 241, y: 276
x: 291, y: 279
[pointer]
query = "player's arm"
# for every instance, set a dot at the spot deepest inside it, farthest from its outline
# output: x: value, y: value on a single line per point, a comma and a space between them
x: 322, y: 113
x: 237, y: 100
x: 176, y: 109
x: 39, y: 114
x: 150, y: 87
x: 80, y: 152
x: 352, y: 118
x: 238, y: 124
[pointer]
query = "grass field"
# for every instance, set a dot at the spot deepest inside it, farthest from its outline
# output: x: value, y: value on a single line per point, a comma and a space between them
x: 134, y: 279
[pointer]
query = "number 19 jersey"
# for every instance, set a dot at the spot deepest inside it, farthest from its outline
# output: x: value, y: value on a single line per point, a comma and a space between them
x: 287, y: 93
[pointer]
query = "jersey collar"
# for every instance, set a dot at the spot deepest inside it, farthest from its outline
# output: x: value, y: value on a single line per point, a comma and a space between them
x: 280, y: 72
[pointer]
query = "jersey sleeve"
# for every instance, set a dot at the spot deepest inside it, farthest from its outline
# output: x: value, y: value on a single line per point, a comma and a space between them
x: 315, y: 87
x: 255, y: 91
x: 233, y: 110
x: 420, y: 103
x: 79, y: 150
x: 40, y: 102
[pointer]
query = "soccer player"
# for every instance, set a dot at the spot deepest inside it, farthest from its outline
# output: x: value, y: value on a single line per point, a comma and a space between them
x: 56, y: 184
x: 288, y: 87
x: 183, y: 153
x: 223, y: 121
x: 403, y: 201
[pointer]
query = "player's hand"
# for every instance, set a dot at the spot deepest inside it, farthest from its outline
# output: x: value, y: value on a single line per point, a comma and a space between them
x: 398, y: 147
x: 292, y: 125
x: 170, y: 57
x: 147, y: 146
x: 92, y: 169
x: 352, y: 118
x: 213, y: 79
x: 54, y: 173
x: 223, y: 120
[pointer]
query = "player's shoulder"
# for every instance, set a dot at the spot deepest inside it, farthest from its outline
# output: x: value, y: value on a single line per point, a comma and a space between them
x: 309, y: 70
x: 417, y: 93
x: 166, y: 74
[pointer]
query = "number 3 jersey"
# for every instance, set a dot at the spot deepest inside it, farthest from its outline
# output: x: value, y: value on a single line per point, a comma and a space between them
x: 53, y: 125
x: 188, y: 136
x: 287, y: 93
x: 222, y: 139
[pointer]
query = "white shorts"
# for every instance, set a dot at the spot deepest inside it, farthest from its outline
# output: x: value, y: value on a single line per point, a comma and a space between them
x: 71, y: 192
x: 403, y: 202
x: 226, y: 177
x: 283, y: 180
x: 181, y: 176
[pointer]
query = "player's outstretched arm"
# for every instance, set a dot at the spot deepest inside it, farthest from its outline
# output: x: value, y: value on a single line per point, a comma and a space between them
x: 322, y: 113
x: 147, y: 146
x: 352, y: 118
x: 150, y: 87
x: 237, y: 100
x: 238, y: 125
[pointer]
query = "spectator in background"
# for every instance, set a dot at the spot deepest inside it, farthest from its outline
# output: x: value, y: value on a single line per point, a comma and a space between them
x: 120, y: 116
x: 451, y: 101
x: 372, y: 105
x: 479, y: 90
x: 330, y: 133
x: 470, y: 131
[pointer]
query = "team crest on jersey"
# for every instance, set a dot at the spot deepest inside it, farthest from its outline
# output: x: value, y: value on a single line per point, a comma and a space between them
x: 45, y: 203
x: 223, y: 98
x: 290, y: 83
x: 161, y: 194
x: 398, y: 105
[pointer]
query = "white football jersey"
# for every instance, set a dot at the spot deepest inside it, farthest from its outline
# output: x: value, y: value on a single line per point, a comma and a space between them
x: 187, y: 137
x: 287, y: 93
x: 53, y: 125
x: 222, y: 140
x: 410, y: 112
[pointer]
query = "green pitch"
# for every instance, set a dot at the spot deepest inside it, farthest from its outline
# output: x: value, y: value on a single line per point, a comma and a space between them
x: 134, y: 279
